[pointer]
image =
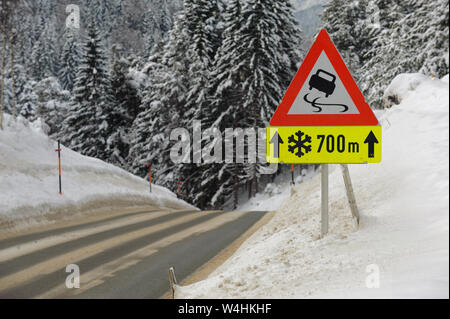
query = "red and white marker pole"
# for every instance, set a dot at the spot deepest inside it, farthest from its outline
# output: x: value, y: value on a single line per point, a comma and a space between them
x: 149, y: 165
x: 59, y: 166
x: 179, y: 188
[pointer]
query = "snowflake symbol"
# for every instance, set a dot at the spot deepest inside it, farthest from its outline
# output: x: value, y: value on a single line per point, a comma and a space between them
x: 299, y: 144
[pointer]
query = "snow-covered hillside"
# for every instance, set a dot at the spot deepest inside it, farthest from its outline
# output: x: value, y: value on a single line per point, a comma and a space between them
x: 404, y: 232
x: 29, y: 180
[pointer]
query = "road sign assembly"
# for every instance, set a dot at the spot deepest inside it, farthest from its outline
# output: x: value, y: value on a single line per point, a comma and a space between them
x: 323, y: 117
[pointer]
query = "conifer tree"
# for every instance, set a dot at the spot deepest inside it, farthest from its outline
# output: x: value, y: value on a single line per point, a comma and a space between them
x: 86, y: 123
x: 161, y: 106
x: 387, y: 56
x: 226, y: 95
x: 28, y: 102
x: 260, y: 54
x: 348, y: 26
x: 70, y: 58
x: 121, y: 111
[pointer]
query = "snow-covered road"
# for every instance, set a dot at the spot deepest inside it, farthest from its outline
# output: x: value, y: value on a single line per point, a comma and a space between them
x: 122, y: 256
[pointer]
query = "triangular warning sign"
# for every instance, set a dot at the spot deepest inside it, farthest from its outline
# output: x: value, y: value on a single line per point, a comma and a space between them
x: 323, y: 92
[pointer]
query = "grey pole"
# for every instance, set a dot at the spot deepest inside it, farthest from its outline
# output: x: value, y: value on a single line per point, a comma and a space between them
x: 350, y: 193
x: 324, y: 215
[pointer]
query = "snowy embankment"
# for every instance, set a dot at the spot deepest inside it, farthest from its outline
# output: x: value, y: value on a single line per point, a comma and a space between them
x: 276, y: 193
x: 404, y: 232
x: 29, y: 181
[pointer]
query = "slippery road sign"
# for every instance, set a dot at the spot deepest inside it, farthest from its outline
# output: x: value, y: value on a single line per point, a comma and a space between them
x: 323, y: 117
x: 323, y: 92
x: 324, y: 144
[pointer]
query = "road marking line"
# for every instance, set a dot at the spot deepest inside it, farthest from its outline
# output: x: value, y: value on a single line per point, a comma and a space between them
x: 99, y: 275
x: 32, y: 246
x: 61, y: 261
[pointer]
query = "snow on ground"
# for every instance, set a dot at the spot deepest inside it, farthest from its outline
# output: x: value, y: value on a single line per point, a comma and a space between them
x: 29, y: 180
x: 403, y: 239
x: 276, y: 193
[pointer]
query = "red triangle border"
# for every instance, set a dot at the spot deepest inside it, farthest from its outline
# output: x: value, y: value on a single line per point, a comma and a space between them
x: 281, y: 116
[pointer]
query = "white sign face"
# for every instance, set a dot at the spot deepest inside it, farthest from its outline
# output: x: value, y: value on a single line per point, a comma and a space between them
x: 323, y: 92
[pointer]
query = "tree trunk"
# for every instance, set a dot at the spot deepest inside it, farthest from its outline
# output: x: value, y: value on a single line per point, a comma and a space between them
x: 236, y: 167
x: 254, y: 181
x: 13, y: 76
x: 236, y: 185
x: 4, y: 16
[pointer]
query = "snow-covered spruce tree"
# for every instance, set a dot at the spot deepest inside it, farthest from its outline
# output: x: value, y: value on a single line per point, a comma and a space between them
x: 6, y: 8
x: 263, y: 86
x: 149, y: 142
x: 227, y: 100
x: 289, y: 33
x: 157, y: 22
x: 162, y: 107
x: 86, y: 124
x: 201, y: 20
x: 120, y: 111
x: 70, y: 58
x: 52, y: 104
x: 171, y: 100
x: 430, y: 34
x: 44, y: 55
x: 350, y: 29
x: 226, y: 95
x: 102, y: 13
x: 28, y: 102
x: 16, y: 82
x: 389, y: 55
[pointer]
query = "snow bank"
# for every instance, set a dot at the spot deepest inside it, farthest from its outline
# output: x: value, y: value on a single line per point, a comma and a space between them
x: 401, y: 86
x: 404, y: 232
x: 29, y: 180
x: 275, y: 194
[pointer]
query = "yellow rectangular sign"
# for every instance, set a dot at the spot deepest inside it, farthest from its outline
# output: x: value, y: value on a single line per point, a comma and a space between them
x: 324, y: 144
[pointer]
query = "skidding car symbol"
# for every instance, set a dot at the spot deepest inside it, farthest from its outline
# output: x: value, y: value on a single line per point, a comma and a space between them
x: 322, y: 84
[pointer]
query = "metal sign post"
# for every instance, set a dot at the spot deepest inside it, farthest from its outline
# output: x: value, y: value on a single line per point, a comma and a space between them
x: 350, y: 194
x: 324, y: 215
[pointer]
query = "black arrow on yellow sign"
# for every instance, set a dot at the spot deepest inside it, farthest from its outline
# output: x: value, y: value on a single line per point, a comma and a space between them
x: 371, y: 140
x: 276, y: 140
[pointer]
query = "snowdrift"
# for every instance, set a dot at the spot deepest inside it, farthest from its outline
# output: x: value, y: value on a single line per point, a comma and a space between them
x: 403, y: 238
x: 29, y: 180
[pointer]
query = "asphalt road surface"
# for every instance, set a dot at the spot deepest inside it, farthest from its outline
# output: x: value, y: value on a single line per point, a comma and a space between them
x: 125, y: 256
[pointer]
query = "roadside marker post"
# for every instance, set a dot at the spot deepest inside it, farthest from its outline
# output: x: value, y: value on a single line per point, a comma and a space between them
x: 324, y: 119
x: 172, y: 281
x: 59, y: 165
x: 179, y: 189
x: 149, y: 165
